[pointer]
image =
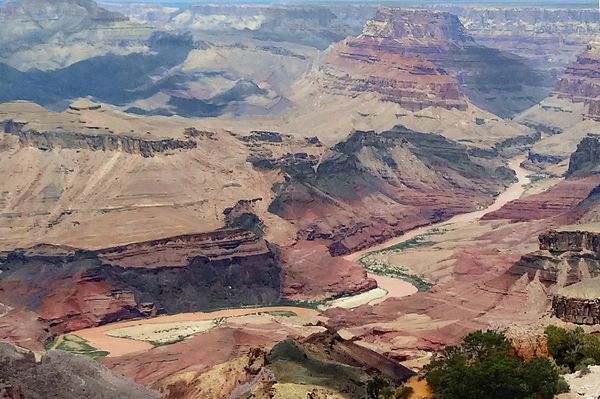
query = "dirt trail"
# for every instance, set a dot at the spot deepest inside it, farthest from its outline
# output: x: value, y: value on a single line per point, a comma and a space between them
x: 399, y: 288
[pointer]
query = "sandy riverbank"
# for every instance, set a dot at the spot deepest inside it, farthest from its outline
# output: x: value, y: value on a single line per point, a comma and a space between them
x: 400, y: 288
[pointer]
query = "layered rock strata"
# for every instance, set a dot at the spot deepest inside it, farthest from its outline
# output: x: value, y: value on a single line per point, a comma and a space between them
x: 373, y: 186
x: 392, y: 58
x: 72, y: 289
x: 581, y: 81
x: 94, y: 141
x: 568, y: 264
x: 422, y: 58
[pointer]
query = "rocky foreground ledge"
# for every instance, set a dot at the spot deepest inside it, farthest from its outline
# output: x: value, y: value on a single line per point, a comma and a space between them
x: 568, y: 264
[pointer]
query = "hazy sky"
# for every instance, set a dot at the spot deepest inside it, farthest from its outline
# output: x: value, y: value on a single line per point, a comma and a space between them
x: 588, y: 3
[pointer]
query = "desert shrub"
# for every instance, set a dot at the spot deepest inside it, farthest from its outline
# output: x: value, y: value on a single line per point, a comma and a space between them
x: 378, y: 388
x: 403, y: 393
x: 481, y: 367
x: 562, y: 386
x: 572, y: 348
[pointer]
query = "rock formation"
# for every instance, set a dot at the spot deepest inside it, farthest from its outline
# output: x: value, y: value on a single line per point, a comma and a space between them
x: 586, y: 159
x: 423, y: 58
x: 374, y: 186
x: 579, y: 82
x: 322, y: 363
x: 61, y: 375
x: 72, y: 289
x: 393, y: 58
x: 568, y: 264
x: 577, y: 310
x: 100, y: 141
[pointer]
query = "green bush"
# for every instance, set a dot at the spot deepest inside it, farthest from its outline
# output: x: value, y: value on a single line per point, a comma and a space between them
x: 572, y: 348
x: 403, y: 393
x: 378, y: 388
x: 482, y: 368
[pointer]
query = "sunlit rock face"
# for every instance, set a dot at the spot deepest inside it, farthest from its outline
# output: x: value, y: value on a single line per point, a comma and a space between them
x: 581, y: 80
x: 424, y: 58
x: 394, y: 57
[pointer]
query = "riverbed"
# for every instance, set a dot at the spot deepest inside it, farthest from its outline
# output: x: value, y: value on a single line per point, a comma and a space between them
x: 389, y: 287
x: 400, y: 288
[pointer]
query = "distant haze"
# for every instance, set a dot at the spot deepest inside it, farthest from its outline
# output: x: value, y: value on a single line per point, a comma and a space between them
x: 553, y: 3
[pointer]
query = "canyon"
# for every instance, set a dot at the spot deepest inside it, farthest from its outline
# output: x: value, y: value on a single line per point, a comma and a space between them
x: 289, y: 201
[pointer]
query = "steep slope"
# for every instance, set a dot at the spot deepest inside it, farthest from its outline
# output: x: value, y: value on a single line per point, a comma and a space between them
x: 321, y: 365
x: 92, y: 178
x: 569, y: 114
x: 548, y: 37
x: 71, y: 289
x: 41, y: 34
x: 581, y: 81
x: 61, y: 375
x: 418, y: 58
x: 374, y: 186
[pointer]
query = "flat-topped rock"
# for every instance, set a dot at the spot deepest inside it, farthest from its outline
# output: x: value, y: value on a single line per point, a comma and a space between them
x: 84, y: 104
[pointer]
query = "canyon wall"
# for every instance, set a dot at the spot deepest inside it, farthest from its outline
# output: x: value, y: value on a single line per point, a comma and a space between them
x: 100, y: 141
x: 576, y: 310
x: 568, y: 264
x: 374, y: 186
x: 425, y: 58
x: 586, y: 158
x: 580, y: 81
x: 72, y: 289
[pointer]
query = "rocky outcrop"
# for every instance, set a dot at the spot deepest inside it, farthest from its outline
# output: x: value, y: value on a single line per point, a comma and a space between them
x: 577, y: 310
x: 422, y: 58
x: 323, y: 363
x: 562, y: 199
x: 72, y: 289
x: 60, y: 374
x: 568, y: 265
x: 564, y: 258
x: 586, y: 159
x: 99, y: 141
x: 579, y: 82
x: 374, y: 186
x: 392, y: 58
x: 563, y: 241
x: 519, y: 141
x: 537, y: 158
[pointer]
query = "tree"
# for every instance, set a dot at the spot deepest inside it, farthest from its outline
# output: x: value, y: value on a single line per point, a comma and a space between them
x: 482, y: 368
x: 571, y: 348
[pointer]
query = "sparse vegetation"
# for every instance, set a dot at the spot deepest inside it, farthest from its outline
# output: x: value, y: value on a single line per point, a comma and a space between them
x: 379, y: 388
x: 374, y: 262
x: 74, y: 344
x: 48, y: 345
x: 156, y: 344
x: 482, y: 367
x: 534, y: 179
x: 282, y: 313
x: 573, y: 349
